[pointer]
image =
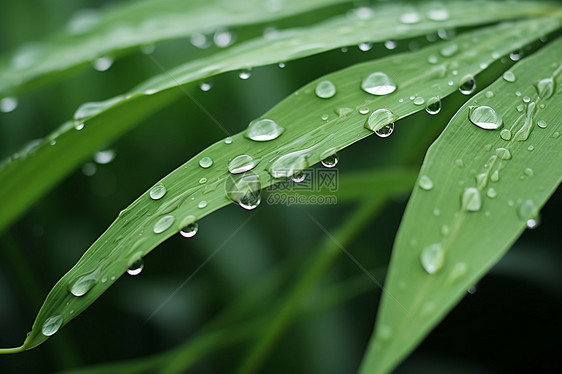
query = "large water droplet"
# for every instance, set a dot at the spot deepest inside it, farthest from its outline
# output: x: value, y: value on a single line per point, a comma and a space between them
x: 433, y: 106
x: 485, y: 117
x: 468, y: 86
x: 505, y: 134
x: 471, y: 200
x: 508, y: 76
x: 433, y: 258
x: 136, y: 267
x: 157, y: 192
x: 545, y: 88
x: 365, y: 46
x: 503, y: 153
x: 264, y: 130
x: 189, y: 230
x: 85, y: 283
x: 377, y: 121
x: 104, y: 157
x: 244, y: 189
x: 52, y: 325
x: 103, y: 63
x: 378, y: 83
x: 289, y: 164
x: 206, y: 162
x: 325, y: 89
x: 241, y: 164
x: 419, y: 100
x: 163, y: 224
x: 425, y: 183
x: 541, y: 124
x: 529, y: 212
x: 8, y: 104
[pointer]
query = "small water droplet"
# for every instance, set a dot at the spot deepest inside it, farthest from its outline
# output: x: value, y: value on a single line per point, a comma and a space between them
x: 241, y: 164
x: 157, y: 192
x: 329, y: 159
x: 433, y: 106
x: 200, y: 40
x: 526, y: 99
x: 433, y: 59
x: 298, y: 177
x: 104, y: 157
x: 79, y: 125
x: 471, y: 200
x: 103, y: 63
x: 410, y: 18
x: 264, y: 130
x: 491, y: 193
x: 530, y: 148
x: 325, y: 117
x: 245, y: 73
x: 365, y: 46
x: 135, y: 268
x: 363, y: 110
x: 529, y: 172
x: 541, y: 124
x: 515, y: 56
x: 203, y: 180
x: 52, y: 325
x: 425, y: 183
x: 555, y: 134
x: 449, y: 50
x: 545, y: 88
x: 206, y: 162
x: 468, y: 86
x: 505, y: 134
x: 495, y: 176
x: 520, y: 108
x: 85, y: 283
x: 438, y: 14
x: 382, y: 122
x: 223, y: 38
x: 8, y: 104
x: 390, y: 44
x: 485, y: 117
x: 503, y: 153
x: 244, y: 189
x: 419, y: 100
x: 325, y: 89
x: 508, y: 76
x: 202, y: 204
x: 529, y: 212
x: 163, y: 224
x: 228, y: 140
x: 489, y: 94
x: 433, y: 258
x: 205, y: 86
x: 281, y: 65
x: 378, y: 83
x: 189, y: 230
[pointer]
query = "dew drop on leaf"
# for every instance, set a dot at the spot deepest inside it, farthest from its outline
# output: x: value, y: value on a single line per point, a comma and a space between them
x: 425, y: 183
x: 157, y: 192
x: 189, y: 230
x: 206, y: 162
x: 508, y: 76
x: 529, y: 213
x: 484, y: 117
x: 378, y: 83
x: 136, y: 267
x: 433, y: 106
x: 263, y: 130
x: 505, y: 134
x: 241, y: 164
x: 329, y: 159
x: 377, y: 121
x: 244, y: 189
x: 52, y: 325
x: 8, y: 104
x: 468, y: 86
x: 433, y: 258
x: 298, y: 177
x: 84, y: 283
x: 245, y: 73
x: 163, y: 224
x: 325, y: 90
x: 471, y: 200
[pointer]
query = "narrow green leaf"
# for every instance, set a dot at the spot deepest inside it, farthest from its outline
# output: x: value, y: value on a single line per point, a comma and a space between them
x: 93, y: 34
x: 478, y: 190
x: 200, y: 187
x: 105, y: 121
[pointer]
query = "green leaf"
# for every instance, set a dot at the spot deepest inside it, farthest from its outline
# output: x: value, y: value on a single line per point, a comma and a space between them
x: 43, y: 165
x: 308, y: 137
x: 92, y: 35
x: 485, y: 191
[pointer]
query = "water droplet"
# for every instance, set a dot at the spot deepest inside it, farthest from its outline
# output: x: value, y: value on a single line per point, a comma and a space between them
x: 508, y: 76
x: 377, y: 121
x: 282, y: 65
x: 468, y: 86
x: 520, y: 108
x: 189, y: 230
x: 503, y: 153
x: 103, y: 63
x: 104, y: 157
x: 136, y: 267
x: 459, y: 162
x: 365, y: 46
x: 290, y: 163
x: 529, y: 212
x: 526, y: 99
x: 206, y: 162
x: 432, y: 59
x: 515, y: 56
x: 530, y: 148
x: 329, y: 159
x: 244, y: 189
x: 433, y: 106
x: 438, y: 14
x: 8, y: 104
x: 202, y: 204
x: 449, y: 50
x: 517, y: 93
x: 241, y: 164
x: 298, y: 177
x: 378, y: 83
x: 390, y: 44
x: 495, y: 176
x: 163, y: 224
x: 425, y: 183
x: 471, y: 200
x: 223, y: 38
x: 325, y: 89
x: 419, y: 100
x: 205, y: 86
x: 264, y: 130
x: 79, y: 125
x: 228, y: 140
x: 529, y: 172
x: 484, y: 117
x: 245, y: 73
x: 555, y: 134
x: 541, y: 124
x: 489, y: 94
x: 491, y: 193
x: 52, y: 325
x: 545, y: 88
x: 433, y: 258
x: 505, y: 134
x: 157, y: 192
x: 410, y: 18
x: 85, y: 283
x: 325, y: 117
x: 200, y: 40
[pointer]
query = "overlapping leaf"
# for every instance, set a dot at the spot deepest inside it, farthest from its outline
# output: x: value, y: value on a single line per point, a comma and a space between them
x: 478, y: 190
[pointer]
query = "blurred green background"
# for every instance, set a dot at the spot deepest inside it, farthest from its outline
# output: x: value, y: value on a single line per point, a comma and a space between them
x: 507, y: 323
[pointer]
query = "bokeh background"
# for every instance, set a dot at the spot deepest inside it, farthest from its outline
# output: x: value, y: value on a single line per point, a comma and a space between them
x: 508, y: 322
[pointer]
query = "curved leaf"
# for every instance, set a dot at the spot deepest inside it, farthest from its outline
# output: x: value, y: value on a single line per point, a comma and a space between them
x: 486, y: 187
x: 105, y: 121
